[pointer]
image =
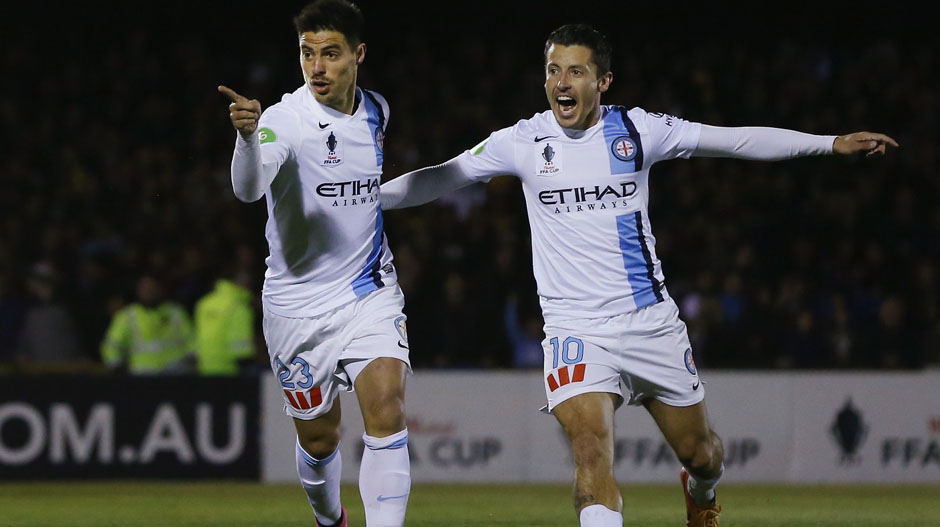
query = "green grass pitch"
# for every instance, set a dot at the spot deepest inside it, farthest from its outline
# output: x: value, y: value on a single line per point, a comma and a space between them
x: 157, y: 504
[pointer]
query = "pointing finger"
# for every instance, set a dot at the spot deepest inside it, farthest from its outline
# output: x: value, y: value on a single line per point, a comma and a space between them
x: 888, y: 140
x: 879, y: 138
x: 230, y: 93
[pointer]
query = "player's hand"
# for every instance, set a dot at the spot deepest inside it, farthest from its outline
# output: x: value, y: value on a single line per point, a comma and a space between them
x: 868, y: 142
x: 243, y: 112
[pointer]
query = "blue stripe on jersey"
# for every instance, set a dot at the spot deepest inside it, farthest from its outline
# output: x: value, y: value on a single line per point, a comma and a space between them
x: 638, y: 261
x: 624, y: 148
x: 376, y: 118
x: 369, y: 278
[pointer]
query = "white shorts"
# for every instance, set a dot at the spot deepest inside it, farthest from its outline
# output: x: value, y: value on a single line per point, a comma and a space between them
x: 647, y: 352
x: 316, y: 357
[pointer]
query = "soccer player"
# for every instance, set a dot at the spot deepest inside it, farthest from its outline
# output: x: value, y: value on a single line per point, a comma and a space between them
x: 332, y: 308
x: 611, y: 327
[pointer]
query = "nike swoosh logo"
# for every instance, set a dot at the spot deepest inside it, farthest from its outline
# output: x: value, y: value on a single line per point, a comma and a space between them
x: 538, y: 139
x: 401, y: 345
x: 322, y: 126
x: 386, y: 498
x: 695, y: 386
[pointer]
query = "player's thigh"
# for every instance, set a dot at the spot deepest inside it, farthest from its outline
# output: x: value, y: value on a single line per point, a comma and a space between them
x: 588, y: 421
x: 380, y: 389
x: 657, y: 357
x: 685, y: 428
x: 319, y: 437
x: 376, y: 360
x: 577, y: 360
x: 377, y: 330
x: 304, y: 353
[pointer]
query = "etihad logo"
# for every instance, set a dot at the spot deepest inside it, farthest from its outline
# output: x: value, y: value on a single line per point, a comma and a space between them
x: 354, y: 192
x: 565, y: 196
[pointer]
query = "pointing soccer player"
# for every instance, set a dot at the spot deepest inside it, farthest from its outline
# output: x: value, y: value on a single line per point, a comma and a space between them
x: 611, y: 329
x: 332, y: 315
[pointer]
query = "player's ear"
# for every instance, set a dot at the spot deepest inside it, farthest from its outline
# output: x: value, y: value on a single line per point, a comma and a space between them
x: 603, y: 83
x: 360, y: 53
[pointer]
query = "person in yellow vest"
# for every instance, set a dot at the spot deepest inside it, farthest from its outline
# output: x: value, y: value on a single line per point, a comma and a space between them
x: 150, y: 336
x: 225, y: 331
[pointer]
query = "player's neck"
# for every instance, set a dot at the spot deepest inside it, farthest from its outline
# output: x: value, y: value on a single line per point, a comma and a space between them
x: 592, y: 118
x: 348, y: 104
x: 579, y: 130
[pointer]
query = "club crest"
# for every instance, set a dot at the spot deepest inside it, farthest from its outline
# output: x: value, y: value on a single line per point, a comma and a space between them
x: 690, y: 362
x: 623, y: 148
x: 380, y: 139
x: 402, y: 330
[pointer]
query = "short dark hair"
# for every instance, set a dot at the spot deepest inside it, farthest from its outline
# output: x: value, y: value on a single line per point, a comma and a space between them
x: 333, y: 15
x: 583, y: 35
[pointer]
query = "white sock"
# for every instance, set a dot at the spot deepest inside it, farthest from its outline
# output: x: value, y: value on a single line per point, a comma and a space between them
x: 385, y: 479
x: 600, y: 516
x: 703, y: 490
x: 320, y: 479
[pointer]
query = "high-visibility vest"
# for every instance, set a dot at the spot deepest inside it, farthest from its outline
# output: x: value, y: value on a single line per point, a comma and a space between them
x: 225, y: 331
x: 149, y: 340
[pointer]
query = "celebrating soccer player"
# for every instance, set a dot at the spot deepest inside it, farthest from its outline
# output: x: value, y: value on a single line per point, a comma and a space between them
x: 332, y: 306
x: 611, y: 329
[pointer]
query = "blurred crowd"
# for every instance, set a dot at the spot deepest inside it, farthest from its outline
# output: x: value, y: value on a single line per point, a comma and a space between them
x: 116, y: 151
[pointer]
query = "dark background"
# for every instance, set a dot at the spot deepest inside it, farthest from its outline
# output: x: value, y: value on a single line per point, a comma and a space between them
x: 116, y: 148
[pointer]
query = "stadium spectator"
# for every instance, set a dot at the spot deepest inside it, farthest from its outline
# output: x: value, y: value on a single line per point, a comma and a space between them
x: 225, y: 327
x: 150, y: 336
x: 48, y: 338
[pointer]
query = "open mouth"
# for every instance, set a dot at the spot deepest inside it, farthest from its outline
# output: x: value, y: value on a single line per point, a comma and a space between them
x: 320, y: 86
x: 566, y: 104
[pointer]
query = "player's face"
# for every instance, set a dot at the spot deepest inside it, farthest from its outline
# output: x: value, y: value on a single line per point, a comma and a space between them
x: 573, y: 85
x: 330, y: 66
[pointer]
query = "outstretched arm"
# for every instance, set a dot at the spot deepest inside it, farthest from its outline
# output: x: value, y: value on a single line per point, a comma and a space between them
x: 868, y: 142
x: 250, y: 176
x: 771, y: 144
x: 423, y: 185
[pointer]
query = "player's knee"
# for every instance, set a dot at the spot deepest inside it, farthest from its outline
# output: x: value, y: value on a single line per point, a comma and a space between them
x: 718, y: 450
x: 700, y: 453
x: 322, y: 445
x: 387, y: 403
x: 384, y: 413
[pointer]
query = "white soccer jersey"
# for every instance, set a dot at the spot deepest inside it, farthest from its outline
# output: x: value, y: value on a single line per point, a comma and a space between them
x: 324, y: 228
x: 594, y: 253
